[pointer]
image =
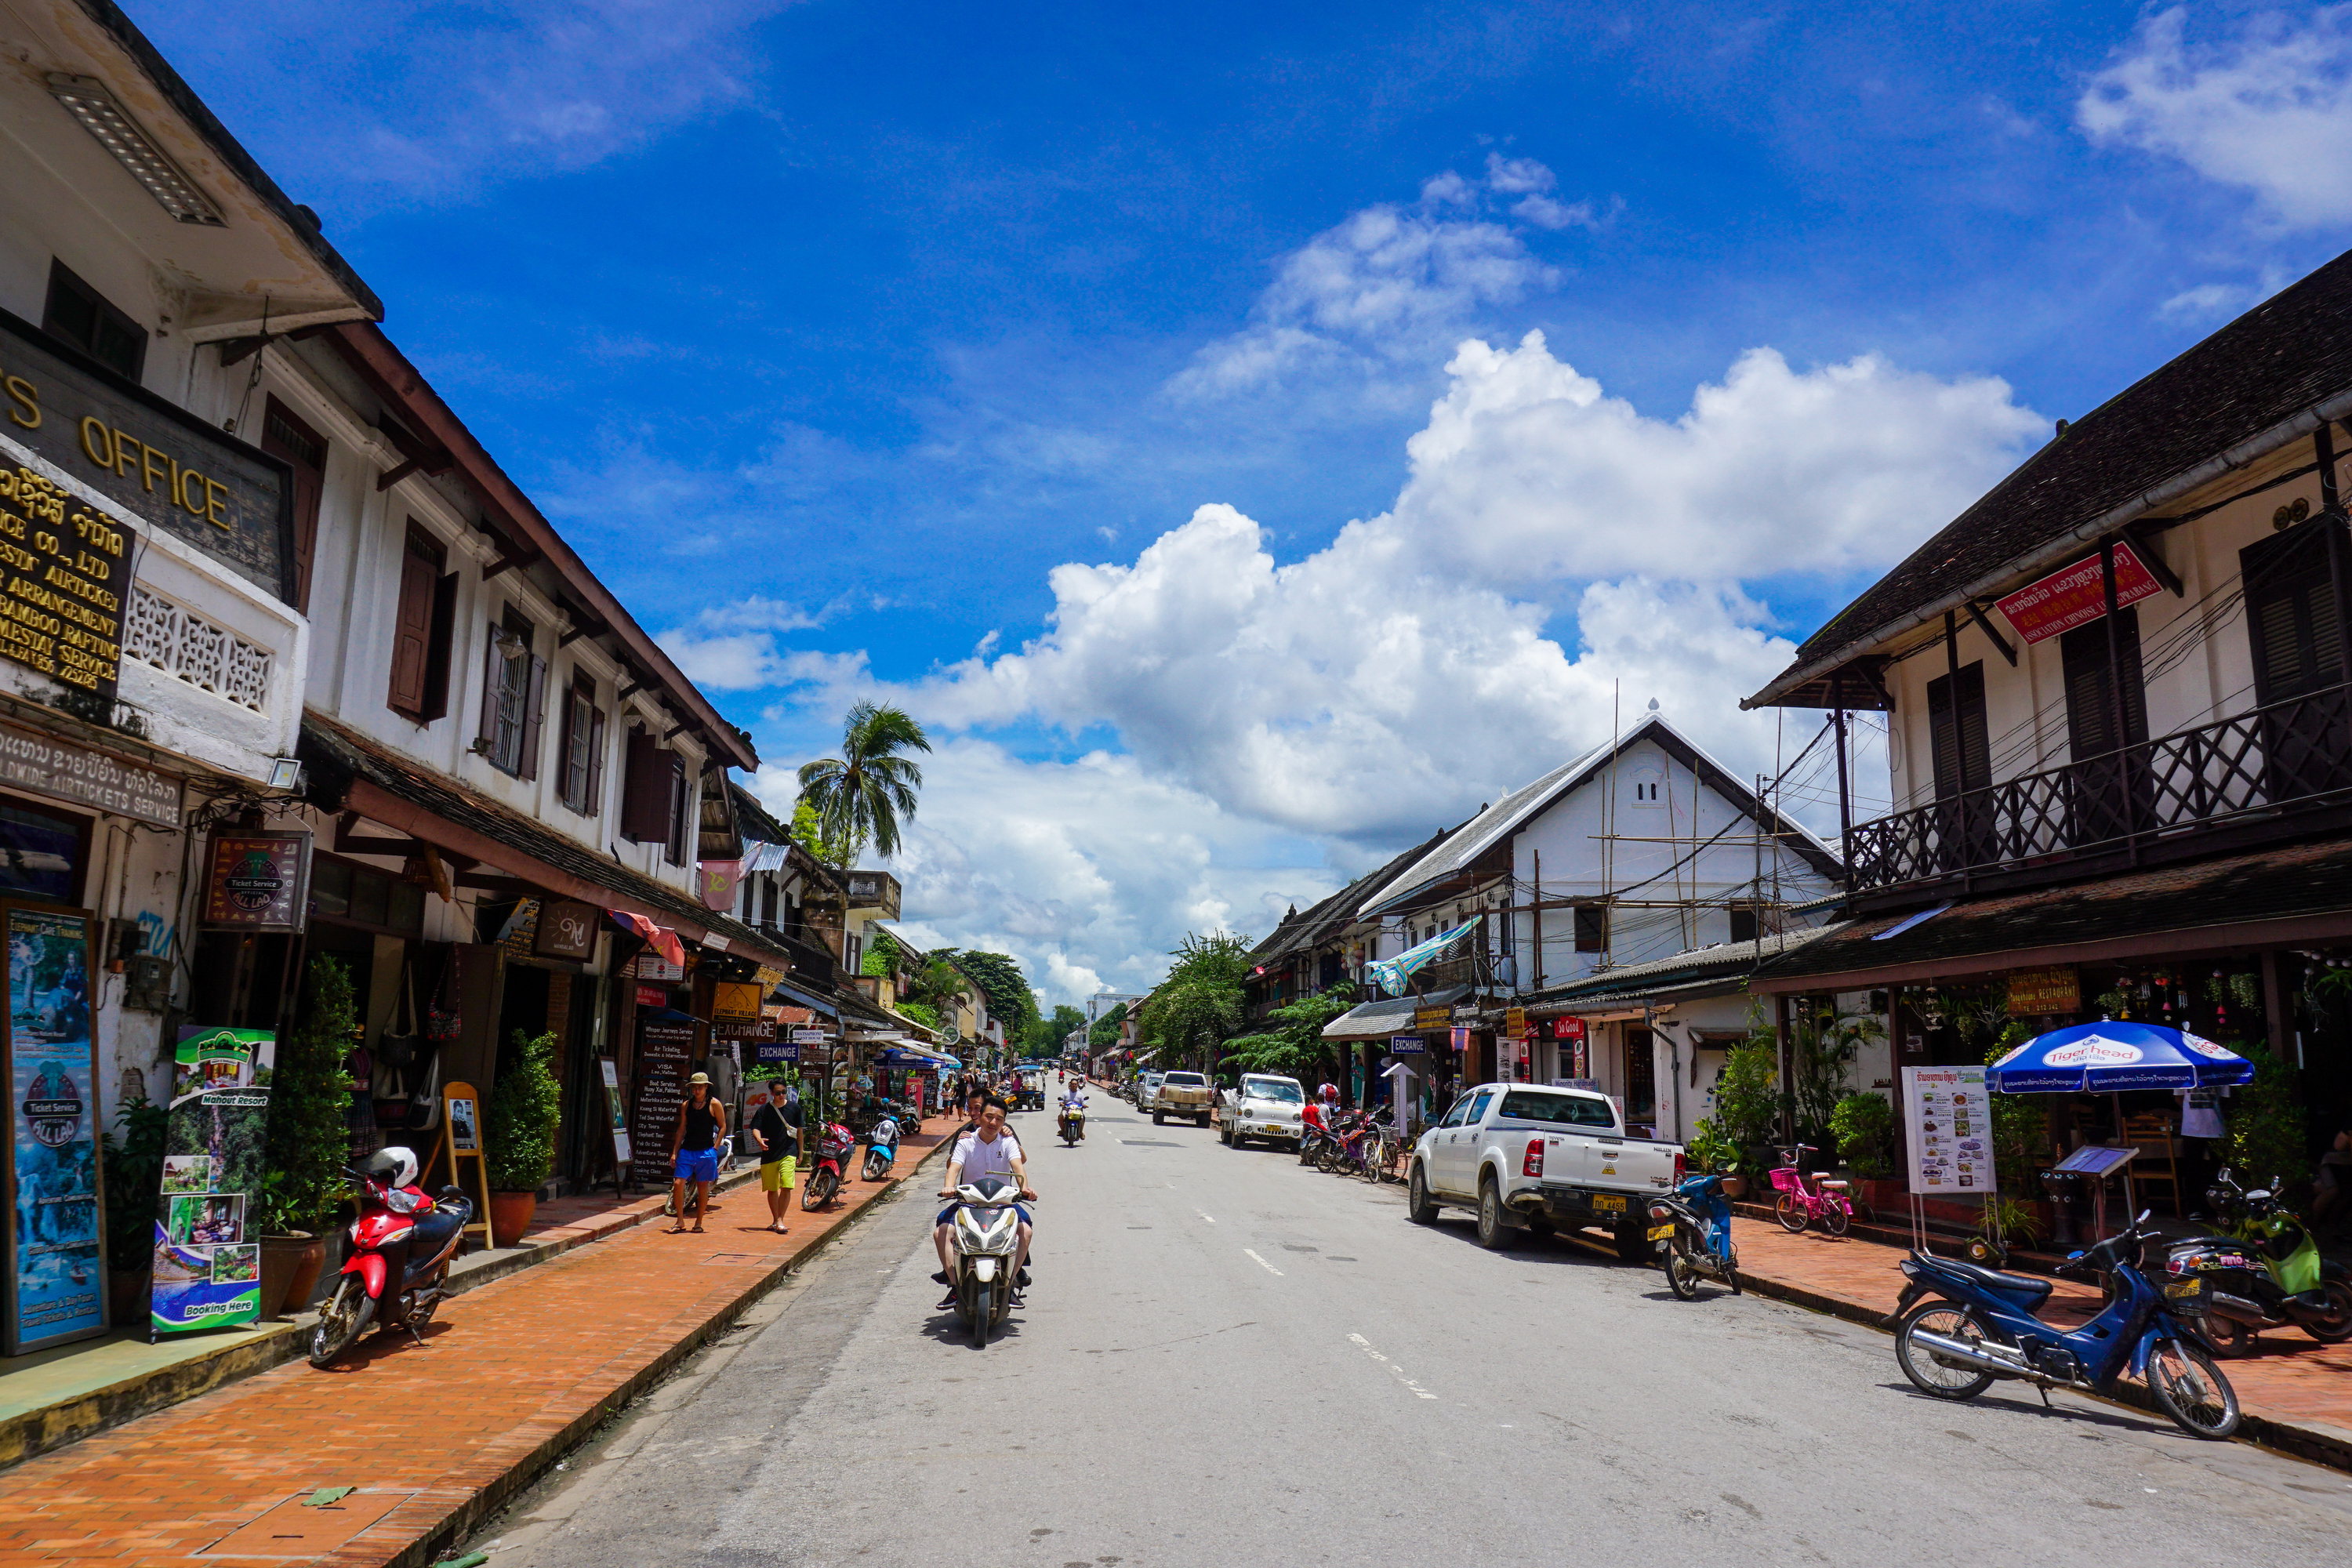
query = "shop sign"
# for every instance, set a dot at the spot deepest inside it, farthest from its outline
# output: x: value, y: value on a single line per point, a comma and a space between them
x: 1433, y: 1018
x: 654, y: 966
x: 664, y: 1059
x: 1407, y: 1045
x: 38, y: 765
x: 652, y: 996
x: 2033, y: 993
x: 257, y: 879
x: 1514, y: 1020
x: 65, y: 576
x: 151, y: 461
x: 778, y: 1051
x: 54, y: 1280
x: 616, y: 1110
x: 1947, y: 1127
x: 567, y: 929
x: 2076, y: 595
x: 1568, y: 1029
x: 808, y: 1035
x: 735, y: 1001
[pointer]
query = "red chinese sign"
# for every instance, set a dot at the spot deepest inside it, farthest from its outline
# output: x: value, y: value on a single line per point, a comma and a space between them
x: 2075, y: 596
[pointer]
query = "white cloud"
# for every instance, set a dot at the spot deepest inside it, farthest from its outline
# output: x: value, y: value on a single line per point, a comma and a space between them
x: 2202, y: 303
x: 1545, y: 213
x: 2267, y: 109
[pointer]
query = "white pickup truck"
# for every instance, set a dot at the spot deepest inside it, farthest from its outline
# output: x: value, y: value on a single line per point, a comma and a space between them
x: 1542, y: 1159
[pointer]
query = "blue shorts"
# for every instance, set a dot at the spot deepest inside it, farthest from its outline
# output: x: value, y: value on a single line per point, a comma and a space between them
x: 697, y: 1165
x: 948, y: 1213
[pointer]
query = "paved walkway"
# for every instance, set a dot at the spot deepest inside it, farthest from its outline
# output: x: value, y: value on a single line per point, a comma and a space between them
x: 430, y: 1434
x: 2293, y: 1381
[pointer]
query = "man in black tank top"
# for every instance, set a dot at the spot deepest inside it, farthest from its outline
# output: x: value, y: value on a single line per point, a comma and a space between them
x: 693, y: 1149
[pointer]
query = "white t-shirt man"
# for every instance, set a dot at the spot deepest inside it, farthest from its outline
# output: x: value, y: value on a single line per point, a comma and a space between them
x: 980, y: 1157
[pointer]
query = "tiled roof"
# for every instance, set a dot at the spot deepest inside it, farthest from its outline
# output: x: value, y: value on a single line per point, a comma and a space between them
x: 2280, y: 360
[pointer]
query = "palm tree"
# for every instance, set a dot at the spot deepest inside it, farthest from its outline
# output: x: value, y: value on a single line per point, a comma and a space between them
x: 860, y: 795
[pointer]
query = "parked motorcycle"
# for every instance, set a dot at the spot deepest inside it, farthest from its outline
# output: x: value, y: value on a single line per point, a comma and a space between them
x: 881, y: 1149
x: 402, y: 1243
x: 832, y: 1148
x: 1981, y: 1326
x: 2264, y: 1271
x: 1344, y: 1149
x: 984, y: 1241
x: 1312, y: 1136
x: 1692, y: 1228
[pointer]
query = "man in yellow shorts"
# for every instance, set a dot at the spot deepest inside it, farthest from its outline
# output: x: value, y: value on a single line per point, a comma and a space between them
x: 771, y: 1129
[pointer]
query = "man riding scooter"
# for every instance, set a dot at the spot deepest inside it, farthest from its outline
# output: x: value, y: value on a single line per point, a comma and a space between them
x: 1073, y: 1101
x: 989, y: 1151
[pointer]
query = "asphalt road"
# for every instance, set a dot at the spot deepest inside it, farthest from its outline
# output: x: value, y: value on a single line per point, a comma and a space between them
x: 1227, y: 1359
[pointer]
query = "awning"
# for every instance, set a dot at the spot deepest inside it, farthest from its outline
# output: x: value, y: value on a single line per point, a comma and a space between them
x: 810, y: 1000
x: 1377, y: 1020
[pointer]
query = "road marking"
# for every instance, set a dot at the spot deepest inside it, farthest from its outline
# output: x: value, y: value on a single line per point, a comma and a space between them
x: 1210, y: 1218
x: 1254, y: 1258
x: 1366, y: 1346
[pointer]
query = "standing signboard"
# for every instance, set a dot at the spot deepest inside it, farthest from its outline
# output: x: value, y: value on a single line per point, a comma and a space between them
x: 56, y: 1274
x: 1948, y: 1128
x: 664, y: 1059
x: 207, y: 1260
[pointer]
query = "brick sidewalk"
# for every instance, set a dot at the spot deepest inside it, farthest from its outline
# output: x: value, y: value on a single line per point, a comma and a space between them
x: 2293, y: 1383
x: 434, y: 1435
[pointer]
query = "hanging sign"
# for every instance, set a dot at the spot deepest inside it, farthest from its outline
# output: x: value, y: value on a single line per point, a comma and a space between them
x: 808, y: 1035
x: 1407, y: 1045
x: 2076, y: 595
x: 1514, y: 1020
x: 652, y: 996
x: 2036, y: 992
x: 41, y: 764
x: 1433, y: 1018
x: 1947, y: 1127
x: 207, y: 1256
x: 665, y: 1057
x: 735, y: 1001
x: 654, y: 966
x: 55, y: 1276
x: 257, y: 879
x: 567, y: 929
x: 1568, y: 1029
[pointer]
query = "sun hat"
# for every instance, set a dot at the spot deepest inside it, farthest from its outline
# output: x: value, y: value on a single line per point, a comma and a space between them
x: 701, y: 1078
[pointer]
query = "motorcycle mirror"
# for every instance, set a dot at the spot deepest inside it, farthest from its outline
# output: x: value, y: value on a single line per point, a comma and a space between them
x: 2143, y: 1218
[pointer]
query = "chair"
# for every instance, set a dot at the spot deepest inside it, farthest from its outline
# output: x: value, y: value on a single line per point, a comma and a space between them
x: 2159, y: 1162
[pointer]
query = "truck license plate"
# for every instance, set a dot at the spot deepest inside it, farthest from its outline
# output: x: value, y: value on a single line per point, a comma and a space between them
x: 1662, y: 1232
x: 1608, y: 1205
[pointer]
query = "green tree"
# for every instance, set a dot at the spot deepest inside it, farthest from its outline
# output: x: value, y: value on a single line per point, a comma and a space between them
x: 998, y: 975
x: 309, y: 1139
x: 809, y: 834
x: 1200, y: 1002
x: 1294, y: 1046
x: 1105, y: 1032
x: 860, y: 795
x: 1044, y: 1037
x: 2267, y: 1137
x: 526, y: 1105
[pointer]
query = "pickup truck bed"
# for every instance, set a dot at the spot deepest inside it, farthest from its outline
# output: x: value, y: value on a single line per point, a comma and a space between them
x: 1524, y: 1156
x: 1182, y: 1094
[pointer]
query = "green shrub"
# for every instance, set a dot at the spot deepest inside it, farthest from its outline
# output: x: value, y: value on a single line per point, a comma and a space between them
x: 1709, y: 1150
x: 2021, y: 1126
x: 525, y: 1107
x: 310, y: 1140
x: 2266, y: 1137
x: 134, y: 1176
x: 1865, y: 1126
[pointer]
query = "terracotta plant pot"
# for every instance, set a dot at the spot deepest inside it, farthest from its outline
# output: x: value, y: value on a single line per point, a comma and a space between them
x: 126, y: 1296
x: 1735, y: 1186
x: 510, y: 1217
x: 285, y: 1261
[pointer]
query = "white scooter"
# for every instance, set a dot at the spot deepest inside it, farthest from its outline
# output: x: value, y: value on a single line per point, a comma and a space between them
x: 986, y: 1238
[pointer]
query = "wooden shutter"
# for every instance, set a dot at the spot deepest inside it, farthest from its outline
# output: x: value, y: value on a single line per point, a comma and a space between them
x: 2090, y: 698
x: 413, y: 635
x: 2292, y: 617
x: 488, y: 732
x: 571, y: 764
x: 1956, y: 722
x: 301, y: 449
x: 440, y: 648
x: 534, y: 720
x: 645, y: 790
x: 594, y: 802
x: 680, y: 807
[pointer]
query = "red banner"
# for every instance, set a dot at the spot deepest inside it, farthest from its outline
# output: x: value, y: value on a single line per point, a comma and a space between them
x: 2075, y: 596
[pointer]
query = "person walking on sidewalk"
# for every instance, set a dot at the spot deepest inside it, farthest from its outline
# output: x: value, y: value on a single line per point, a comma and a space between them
x: 771, y: 1130
x: 693, y: 1149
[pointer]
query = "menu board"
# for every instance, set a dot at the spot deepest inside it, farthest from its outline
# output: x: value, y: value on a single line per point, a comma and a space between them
x: 1948, y: 1128
x: 665, y: 1059
x: 56, y: 1273
x: 207, y: 1256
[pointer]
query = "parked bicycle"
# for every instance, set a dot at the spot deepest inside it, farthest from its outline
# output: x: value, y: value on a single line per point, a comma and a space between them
x: 1799, y: 1205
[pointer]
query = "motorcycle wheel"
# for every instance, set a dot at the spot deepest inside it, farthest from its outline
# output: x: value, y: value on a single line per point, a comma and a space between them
x: 2227, y: 1337
x: 1306, y: 1151
x: 1681, y: 1278
x: 2338, y: 1326
x: 1731, y: 1272
x: 1790, y: 1212
x: 1930, y: 1373
x: 342, y: 1319
x: 983, y: 1314
x: 2191, y: 1390
x: 1834, y: 1220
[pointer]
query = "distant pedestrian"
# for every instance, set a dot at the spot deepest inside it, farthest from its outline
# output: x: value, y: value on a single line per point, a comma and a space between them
x: 693, y: 1149
x: 773, y: 1133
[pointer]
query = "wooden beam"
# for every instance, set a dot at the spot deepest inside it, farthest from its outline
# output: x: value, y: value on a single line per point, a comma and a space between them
x: 576, y: 632
x: 2143, y: 542
x: 1999, y: 641
x: 508, y: 559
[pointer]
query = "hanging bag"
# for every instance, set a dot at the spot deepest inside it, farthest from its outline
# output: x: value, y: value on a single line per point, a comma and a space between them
x: 397, y: 1046
x: 441, y: 1020
x: 425, y: 1105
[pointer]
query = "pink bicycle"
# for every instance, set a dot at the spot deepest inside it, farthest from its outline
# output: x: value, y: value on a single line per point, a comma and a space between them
x: 1798, y: 1205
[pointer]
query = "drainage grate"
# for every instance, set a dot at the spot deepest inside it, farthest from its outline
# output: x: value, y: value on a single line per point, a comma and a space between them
x: 738, y: 1259
x: 298, y: 1533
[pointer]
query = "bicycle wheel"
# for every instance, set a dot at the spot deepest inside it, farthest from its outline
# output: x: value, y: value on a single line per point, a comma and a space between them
x: 1681, y: 1278
x: 1789, y: 1211
x: 1375, y: 1156
x: 1932, y: 1374
x: 2191, y: 1390
x: 1835, y: 1218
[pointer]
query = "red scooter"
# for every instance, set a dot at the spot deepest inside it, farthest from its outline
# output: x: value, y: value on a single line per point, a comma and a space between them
x: 401, y: 1247
x: 833, y: 1150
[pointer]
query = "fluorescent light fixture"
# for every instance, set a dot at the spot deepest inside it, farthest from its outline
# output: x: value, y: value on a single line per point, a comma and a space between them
x: 285, y: 772
x: 89, y: 100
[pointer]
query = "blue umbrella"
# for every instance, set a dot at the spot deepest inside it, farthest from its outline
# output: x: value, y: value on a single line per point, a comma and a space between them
x: 2095, y: 1058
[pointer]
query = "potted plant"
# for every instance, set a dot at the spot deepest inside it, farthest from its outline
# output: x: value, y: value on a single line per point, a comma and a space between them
x: 1863, y: 1125
x: 1711, y: 1152
x: 134, y: 1178
x: 519, y: 1135
x: 1747, y: 1104
x: 308, y: 1142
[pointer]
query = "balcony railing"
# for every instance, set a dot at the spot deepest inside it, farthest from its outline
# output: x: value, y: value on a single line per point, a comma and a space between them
x: 2265, y: 765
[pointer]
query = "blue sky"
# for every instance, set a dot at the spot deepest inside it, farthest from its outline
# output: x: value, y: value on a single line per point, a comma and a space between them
x: 895, y: 351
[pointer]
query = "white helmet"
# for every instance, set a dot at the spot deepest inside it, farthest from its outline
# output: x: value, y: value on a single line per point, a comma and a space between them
x: 394, y: 1166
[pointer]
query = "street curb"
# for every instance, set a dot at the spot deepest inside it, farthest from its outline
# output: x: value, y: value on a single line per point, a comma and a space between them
x: 2317, y: 1443
x: 273, y: 1343
x: 454, y: 1526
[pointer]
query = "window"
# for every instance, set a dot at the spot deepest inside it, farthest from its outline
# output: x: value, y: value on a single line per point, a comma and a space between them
x: 1956, y: 725
x: 2291, y: 616
x: 514, y: 698
x: 1591, y: 928
x: 2091, y: 695
x: 678, y: 850
x: 79, y: 315
x: 304, y: 450
x: 1745, y: 926
x: 41, y: 853
x: 422, y: 626
x: 1477, y: 1111
x: 1560, y: 1109
x: 1649, y: 786
x: 1454, y: 1117
x: 650, y: 806
x: 582, y: 786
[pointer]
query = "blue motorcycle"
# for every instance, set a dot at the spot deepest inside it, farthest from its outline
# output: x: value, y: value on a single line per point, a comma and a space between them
x: 1980, y: 1325
x: 1692, y: 1230
x: 881, y: 1149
